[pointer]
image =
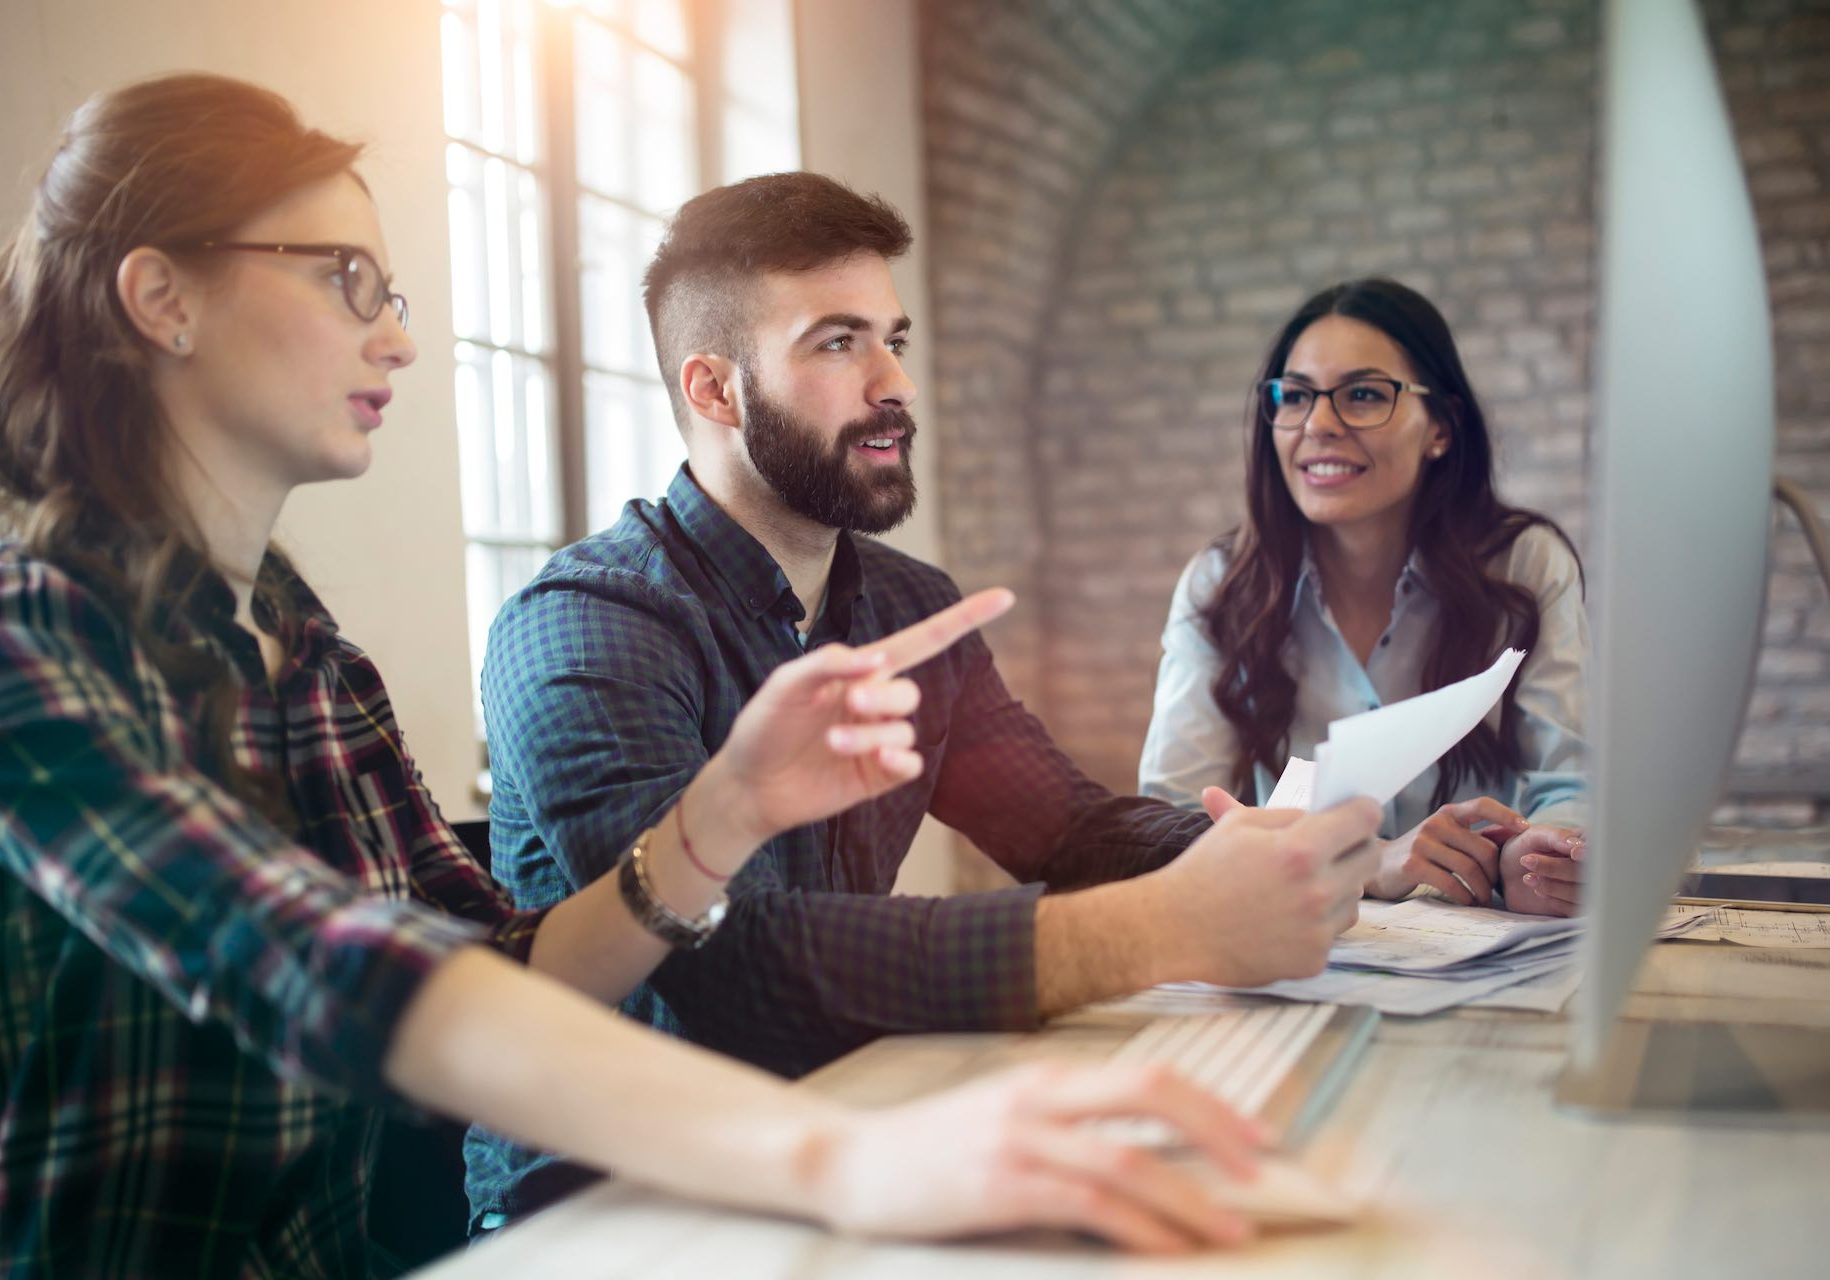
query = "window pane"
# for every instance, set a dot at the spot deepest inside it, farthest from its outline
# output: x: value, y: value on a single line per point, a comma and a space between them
x: 755, y: 57
x: 756, y: 144
x: 498, y: 248
x: 659, y: 24
x: 615, y: 245
x: 632, y: 447
x: 636, y: 133
x: 754, y: 61
x: 490, y: 100
x: 505, y: 442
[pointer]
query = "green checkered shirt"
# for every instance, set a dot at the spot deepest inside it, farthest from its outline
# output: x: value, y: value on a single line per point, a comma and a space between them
x: 614, y: 675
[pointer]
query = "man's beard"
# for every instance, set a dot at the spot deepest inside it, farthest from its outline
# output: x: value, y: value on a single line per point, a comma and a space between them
x: 817, y: 481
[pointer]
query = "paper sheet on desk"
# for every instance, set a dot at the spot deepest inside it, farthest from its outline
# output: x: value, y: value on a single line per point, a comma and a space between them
x: 1423, y: 935
x: 1761, y: 928
x: 1406, y: 995
x: 1534, y: 971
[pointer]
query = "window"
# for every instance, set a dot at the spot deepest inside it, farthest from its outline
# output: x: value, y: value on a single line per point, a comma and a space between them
x: 573, y: 133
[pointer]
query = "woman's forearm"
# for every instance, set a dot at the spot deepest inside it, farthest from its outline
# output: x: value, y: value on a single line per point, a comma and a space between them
x: 486, y: 1040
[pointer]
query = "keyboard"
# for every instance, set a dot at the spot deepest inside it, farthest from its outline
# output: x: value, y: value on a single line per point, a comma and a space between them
x: 1241, y: 1056
x: 1281, y: 1063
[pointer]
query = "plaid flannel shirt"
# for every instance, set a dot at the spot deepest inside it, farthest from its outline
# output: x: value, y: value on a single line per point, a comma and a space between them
x: 194, y: 1007
x: 615, y: 674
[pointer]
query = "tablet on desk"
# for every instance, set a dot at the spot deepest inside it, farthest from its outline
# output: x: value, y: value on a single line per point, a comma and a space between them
x: 1773, y: 892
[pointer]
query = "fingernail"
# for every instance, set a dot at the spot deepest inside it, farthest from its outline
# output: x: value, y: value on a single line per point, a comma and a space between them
x: 1530, y: 879
x: 1529, y: 860
x: 839, y: 738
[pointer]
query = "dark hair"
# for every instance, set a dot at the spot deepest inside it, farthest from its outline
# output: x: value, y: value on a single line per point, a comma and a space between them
x: 83, y: 442
x: 699, y: 287
x: 1458, y: 525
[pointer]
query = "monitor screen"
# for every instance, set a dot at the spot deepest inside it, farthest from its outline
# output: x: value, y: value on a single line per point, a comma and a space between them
x: 1680, y: 498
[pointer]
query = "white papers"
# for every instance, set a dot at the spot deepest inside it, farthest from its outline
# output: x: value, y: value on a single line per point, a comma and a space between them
x: 1428, y: 935
x: 1546, y: 993
x: 1424, y: 955
x: 1408, y: 995
x: 1296, y: 785
x: 1761, y: 928
x: 1378, y: 753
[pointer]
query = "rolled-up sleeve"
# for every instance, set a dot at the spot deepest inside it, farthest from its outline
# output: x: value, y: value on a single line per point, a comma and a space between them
x: 1552, y: 786
x: 1190, y: 744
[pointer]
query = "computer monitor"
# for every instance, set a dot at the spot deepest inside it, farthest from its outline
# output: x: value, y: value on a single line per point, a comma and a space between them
x: 1681, y: 490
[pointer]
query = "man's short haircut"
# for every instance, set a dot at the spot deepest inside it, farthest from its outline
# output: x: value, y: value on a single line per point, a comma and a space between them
x: 701, y: 286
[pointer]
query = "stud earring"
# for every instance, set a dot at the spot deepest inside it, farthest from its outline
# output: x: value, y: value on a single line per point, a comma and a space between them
x: 181, y: 341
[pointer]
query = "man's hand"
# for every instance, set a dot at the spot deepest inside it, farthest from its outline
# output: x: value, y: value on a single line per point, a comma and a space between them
x: 831, y: 730
x: 1262, y: 895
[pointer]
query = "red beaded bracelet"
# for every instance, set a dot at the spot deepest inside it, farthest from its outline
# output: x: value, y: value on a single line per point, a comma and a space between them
x: 680, y: 826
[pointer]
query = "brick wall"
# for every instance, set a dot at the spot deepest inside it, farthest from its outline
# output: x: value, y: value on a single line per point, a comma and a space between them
x: 1110, y: 262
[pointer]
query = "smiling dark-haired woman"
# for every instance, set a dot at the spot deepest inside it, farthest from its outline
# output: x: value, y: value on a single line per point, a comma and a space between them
x: 1376, y: 562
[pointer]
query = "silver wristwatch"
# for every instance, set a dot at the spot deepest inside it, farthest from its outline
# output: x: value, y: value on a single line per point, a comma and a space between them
x: 656, y: 916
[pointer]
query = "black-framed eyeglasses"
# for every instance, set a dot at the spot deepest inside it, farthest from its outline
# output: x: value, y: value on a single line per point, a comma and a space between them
x: 1360, y: 403
x: 365, y: 289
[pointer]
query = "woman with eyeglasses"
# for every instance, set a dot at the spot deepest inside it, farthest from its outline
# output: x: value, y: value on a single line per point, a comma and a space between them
x: 1376, y: 562
x: 235, y: 925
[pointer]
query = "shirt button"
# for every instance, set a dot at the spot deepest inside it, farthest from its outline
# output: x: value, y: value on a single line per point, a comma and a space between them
x: 1384, y: 640
x: 1372, y: 706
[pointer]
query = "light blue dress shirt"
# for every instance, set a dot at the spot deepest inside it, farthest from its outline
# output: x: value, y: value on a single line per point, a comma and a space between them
x: 1191, y: 745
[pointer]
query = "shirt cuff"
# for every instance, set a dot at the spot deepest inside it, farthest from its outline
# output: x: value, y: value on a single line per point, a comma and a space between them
x: 984, y: 971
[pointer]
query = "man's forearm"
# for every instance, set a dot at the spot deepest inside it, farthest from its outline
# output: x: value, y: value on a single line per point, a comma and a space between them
x: 593, y: 942
x: 1096, y: 944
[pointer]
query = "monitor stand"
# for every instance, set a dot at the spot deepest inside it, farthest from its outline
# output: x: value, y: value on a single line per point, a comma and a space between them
x: 1734, y: 1073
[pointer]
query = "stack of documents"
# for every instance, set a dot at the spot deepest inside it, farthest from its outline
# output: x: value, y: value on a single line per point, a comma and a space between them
x: 1424, y: 955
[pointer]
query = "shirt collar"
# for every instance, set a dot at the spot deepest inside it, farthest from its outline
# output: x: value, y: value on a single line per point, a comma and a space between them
x: 754, y: 578
x: 1309, y: 580
x: 210, y: 618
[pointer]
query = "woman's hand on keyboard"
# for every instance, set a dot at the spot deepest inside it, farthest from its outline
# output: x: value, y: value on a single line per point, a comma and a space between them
x: 1014, y: 1151
x: 1262, y: 895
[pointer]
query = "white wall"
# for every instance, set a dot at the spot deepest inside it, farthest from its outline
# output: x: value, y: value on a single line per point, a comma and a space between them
x: 861, y: 123
x: 386, y: 551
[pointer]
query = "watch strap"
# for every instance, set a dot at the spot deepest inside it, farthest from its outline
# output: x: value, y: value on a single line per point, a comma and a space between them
x: 656, y: 916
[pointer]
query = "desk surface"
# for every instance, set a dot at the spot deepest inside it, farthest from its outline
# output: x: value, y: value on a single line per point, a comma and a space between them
x: 1447, y: 1129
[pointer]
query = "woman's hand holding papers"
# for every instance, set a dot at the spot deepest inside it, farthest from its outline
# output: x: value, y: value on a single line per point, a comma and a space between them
x: 1541, y: 871
x: 1446, y: 852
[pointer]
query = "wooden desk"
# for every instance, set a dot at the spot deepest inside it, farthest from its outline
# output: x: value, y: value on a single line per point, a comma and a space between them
x: 1447, y: 1128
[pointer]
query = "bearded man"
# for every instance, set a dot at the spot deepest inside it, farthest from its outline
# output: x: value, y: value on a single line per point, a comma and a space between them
x: 613, y: 676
